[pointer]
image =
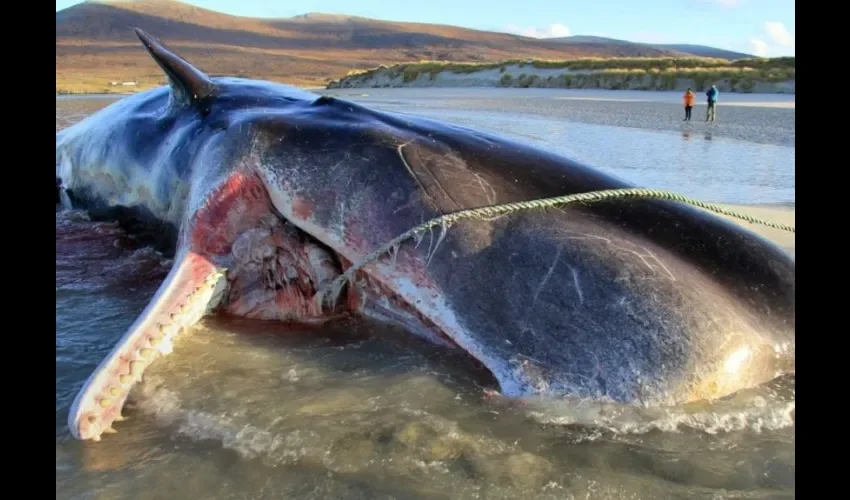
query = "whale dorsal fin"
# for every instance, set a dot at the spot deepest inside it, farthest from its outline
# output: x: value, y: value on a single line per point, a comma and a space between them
x: 189, y: 84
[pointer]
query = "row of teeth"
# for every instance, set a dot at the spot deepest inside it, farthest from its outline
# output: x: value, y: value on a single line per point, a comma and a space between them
x: 160, y: 341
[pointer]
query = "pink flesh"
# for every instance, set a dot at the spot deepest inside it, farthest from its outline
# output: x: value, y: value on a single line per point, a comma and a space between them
x: 274, y: 273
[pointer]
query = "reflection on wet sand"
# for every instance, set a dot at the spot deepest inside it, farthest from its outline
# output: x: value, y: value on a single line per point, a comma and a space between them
x: 687, y: 134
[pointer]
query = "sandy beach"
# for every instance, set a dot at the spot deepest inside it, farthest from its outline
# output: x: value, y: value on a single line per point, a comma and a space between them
x: 765, y: 123
x: 753, y: 118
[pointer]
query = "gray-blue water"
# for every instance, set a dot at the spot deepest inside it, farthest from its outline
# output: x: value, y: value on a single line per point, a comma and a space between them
x: 250, y: 410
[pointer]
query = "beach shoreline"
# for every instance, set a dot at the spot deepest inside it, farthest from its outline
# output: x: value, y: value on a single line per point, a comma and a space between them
x: 756, y: 118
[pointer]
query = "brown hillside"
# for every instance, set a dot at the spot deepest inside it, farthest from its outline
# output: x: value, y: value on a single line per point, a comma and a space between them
x: 95, y: 44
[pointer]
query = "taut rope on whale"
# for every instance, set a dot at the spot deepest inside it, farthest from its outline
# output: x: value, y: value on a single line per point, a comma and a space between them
x: 269, y: 196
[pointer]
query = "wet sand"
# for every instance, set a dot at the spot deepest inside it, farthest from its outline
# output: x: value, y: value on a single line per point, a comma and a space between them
x: 752, y: 118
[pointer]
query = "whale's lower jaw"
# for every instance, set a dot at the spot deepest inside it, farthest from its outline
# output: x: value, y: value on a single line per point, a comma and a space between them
x: 190, y: 289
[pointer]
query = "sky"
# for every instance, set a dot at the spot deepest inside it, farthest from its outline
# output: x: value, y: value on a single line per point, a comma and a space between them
x: 761, y: 27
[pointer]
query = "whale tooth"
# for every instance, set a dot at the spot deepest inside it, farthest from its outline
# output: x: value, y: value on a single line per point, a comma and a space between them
x: 166, y: 347
x: 136, y: 368
x: 114, y: 392
x: 120, y: 418
x: 125, y: 379
x: 110, y: 430
x: 146, y: 352
x: 105, y: 403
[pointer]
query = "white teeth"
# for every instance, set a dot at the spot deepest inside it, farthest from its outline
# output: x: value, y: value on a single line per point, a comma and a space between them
x: 171, y: 329
x: 151, y: 334
x: 166, y: 346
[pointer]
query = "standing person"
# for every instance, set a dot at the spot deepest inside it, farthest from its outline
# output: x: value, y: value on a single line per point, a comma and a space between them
x: 711, y: 112
x: 689, y: 104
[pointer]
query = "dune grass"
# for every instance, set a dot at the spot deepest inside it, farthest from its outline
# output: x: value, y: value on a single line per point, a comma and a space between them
x: 655, y: 73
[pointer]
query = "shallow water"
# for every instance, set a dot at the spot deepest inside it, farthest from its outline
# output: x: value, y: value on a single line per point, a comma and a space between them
x: 253, y: 410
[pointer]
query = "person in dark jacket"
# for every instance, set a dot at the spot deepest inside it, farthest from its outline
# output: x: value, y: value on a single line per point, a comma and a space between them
x: 711, y: 112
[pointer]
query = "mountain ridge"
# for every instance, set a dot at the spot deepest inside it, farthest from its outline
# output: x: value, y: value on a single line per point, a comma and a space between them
x: 95, y: 44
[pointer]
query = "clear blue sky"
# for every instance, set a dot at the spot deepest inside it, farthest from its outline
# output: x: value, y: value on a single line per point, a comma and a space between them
x: 763, y: 27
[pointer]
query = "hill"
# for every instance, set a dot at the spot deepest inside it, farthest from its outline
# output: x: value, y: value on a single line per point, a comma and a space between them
x: 681, y: 49
x: 704, y: 51
x: 588, y: 39
x: 95, y: 44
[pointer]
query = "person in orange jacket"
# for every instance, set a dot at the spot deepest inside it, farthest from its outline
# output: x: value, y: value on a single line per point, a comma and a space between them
x: 689, y: 104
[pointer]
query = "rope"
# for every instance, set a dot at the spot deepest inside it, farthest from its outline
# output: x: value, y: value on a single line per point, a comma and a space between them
x: 491, y: 211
